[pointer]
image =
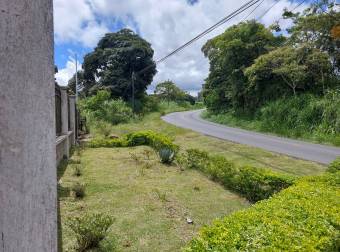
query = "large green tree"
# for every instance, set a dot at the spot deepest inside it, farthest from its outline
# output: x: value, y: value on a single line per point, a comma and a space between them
x: 112, y: 63
x: 288, y: 71
x: 168, y: 91
x: 314, y: 26
x: 229, y: 54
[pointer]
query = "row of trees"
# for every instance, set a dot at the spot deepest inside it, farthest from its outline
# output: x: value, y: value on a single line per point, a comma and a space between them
x: 249, y: 66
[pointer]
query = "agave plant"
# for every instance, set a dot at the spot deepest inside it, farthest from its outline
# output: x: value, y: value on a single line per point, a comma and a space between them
x: 166, y: 155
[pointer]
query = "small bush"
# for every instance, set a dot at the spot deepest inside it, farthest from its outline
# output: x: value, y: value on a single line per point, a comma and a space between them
x: 254, y: 183
x: 304, y: 217
x: 166, y: 155
x: 90, y: 230
x: 102, y: 128
x: 77, y: 171
x: 78, y: 190
x: 334, y: 166
x: 149, y: 138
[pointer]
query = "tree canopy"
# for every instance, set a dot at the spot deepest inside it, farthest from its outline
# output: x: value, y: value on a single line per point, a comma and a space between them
x: 111, y: 64
x: 229, y: 54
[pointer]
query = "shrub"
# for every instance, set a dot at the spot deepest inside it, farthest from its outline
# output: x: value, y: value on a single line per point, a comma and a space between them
x: 101, y: 107
x: 155, y: 140
x: 90, y: 230
x: 254, y: 183
x: 166, y: 155
x: 77, y: 170
x: 78, y: 190
x: 304, y: 217
x: 334, y: 166
x: 108, y: 143
x: 102, y: 128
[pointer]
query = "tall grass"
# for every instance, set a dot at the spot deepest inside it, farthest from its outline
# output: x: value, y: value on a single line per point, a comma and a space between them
x: 304, y: 116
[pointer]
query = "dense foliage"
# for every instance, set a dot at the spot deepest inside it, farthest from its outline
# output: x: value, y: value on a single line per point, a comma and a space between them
x: 287, y: 85
x: 253, y: 183
x: 229, y: 54
x: 334, y: 166
x: 101, y: 107
x: 168, y: 91
x: 304, y: 217
x: 159, y: 142
x: 286, y: 72
x: 302, y: 116
x: 112, y: 63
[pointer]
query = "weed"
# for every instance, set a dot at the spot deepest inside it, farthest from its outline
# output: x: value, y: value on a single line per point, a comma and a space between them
x: 91, y: 230
x: 135, y: 158
x: 161, y: 195
x: 78, y: 190
x: 77, y: 170
x: 147, y: 153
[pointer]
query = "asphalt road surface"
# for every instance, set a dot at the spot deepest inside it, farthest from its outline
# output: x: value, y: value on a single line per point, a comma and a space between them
x: 299, y: 149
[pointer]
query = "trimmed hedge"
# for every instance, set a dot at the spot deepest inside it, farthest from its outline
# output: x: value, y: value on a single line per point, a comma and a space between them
x: 304, y: 217
x: 253, y: 183
x: 334, y: 166
x: 158, y: 142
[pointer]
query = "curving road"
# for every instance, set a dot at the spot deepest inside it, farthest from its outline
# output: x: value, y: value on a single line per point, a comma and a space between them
x: 299, y: 149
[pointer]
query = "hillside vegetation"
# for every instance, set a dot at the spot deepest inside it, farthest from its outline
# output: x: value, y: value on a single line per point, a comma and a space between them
x: 285, y: 85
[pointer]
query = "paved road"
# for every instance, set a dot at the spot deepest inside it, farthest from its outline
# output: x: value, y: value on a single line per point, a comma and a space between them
x: 303, y: 150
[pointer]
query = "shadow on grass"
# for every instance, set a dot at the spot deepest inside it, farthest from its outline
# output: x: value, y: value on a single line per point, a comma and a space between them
x: 62, y: 192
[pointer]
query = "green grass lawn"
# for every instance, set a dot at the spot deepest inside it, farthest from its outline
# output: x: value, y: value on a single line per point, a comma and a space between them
x: 150, y: 201
x: 240, y: 154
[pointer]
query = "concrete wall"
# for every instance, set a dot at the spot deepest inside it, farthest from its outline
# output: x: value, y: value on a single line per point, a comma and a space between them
x: 67, y: 139
x: 28, y: 189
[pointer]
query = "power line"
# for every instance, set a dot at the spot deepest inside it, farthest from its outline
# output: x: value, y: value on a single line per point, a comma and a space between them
x: 253, y: 10
x: 210, y: 29
x: 264, y: 13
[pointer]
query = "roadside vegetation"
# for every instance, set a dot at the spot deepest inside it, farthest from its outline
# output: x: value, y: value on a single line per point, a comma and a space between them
x: 137, y: 183
x: 284, y: 85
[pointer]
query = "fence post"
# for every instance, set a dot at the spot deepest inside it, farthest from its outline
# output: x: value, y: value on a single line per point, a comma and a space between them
x: 28, y: 183
x: 72, y: 100
x: 64, y: 119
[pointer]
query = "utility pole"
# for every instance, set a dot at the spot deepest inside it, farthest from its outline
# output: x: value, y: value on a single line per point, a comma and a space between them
x: 76, y: 78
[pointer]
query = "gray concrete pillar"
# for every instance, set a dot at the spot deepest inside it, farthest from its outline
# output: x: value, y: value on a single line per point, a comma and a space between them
x: 64, y: 110
x: 28, y: 189
x: 64, y: 120
x: 72, y: 100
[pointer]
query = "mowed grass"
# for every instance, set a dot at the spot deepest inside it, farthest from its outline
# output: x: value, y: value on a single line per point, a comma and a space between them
x: 149, y: 201
x: 240, y: 154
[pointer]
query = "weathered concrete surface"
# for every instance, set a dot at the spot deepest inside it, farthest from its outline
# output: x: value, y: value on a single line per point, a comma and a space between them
x: 72, y: 100
x: 28, y: 198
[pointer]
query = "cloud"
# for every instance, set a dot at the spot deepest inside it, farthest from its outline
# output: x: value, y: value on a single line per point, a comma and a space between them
x: 76, y: 22
x: 65, y: 74
x: 166, y: 25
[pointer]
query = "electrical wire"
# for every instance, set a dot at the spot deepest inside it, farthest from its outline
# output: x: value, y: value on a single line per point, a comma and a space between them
x: 219, y: 23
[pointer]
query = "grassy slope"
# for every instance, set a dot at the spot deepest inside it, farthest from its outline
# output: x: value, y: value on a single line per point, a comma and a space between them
x: 150, y: 201
x: 256, y: 125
